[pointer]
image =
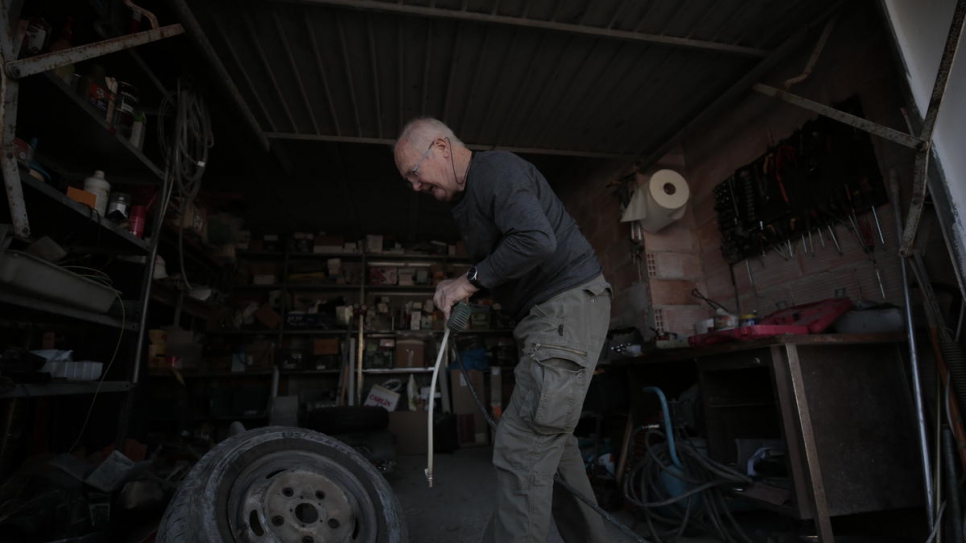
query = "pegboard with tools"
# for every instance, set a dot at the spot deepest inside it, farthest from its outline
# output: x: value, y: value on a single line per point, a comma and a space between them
x: 795, y: 197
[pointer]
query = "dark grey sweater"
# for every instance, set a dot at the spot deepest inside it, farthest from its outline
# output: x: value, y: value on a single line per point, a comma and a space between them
x: 527, y: 247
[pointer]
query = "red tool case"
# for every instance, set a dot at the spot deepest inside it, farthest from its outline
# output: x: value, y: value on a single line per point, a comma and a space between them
x: 811, y: 318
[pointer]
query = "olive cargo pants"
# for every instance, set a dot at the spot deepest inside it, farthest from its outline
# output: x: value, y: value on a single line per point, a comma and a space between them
x: 559, y: 342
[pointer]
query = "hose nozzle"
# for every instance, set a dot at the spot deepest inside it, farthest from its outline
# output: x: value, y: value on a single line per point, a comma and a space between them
x: 459, y: 316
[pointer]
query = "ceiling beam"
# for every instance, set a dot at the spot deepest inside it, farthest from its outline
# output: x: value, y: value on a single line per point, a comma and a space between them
x: 463, y: 15
x: 471, y: 146
x: 738, y: 90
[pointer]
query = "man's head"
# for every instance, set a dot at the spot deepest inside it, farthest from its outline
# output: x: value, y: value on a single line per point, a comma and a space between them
x: 426, y: 154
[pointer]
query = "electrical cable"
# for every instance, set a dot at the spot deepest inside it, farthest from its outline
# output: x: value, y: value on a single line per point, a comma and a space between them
x: 714, y: 305
x: 186, y: 154
x: 100, y: 381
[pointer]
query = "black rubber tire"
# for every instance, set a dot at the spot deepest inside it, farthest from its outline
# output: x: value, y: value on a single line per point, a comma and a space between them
x: 205, y: 508
x: 345, y: 419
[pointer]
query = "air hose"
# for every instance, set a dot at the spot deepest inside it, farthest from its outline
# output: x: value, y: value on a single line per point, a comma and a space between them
x: 458, y: 318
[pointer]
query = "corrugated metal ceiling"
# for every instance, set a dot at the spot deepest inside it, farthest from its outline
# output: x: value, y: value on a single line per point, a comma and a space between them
x: 593, y: 78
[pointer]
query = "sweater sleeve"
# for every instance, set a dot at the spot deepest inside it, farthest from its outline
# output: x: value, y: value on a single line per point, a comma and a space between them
x: 527, y: 235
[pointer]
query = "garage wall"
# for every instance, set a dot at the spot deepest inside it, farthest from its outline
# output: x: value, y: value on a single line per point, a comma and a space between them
x: 920, y: 30
x: 687, y: 254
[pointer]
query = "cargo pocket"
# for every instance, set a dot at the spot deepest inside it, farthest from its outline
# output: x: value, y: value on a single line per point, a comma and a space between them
x: 560, y: 376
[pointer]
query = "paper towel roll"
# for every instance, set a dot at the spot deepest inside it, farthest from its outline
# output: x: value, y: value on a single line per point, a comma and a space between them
x: 662, y: 200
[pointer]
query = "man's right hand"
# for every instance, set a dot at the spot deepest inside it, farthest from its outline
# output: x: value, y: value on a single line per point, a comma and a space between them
x: 450, y: 291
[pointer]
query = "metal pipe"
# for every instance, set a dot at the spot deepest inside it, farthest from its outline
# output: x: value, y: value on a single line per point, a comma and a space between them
x: 471, y: 146
x: 48, y: 61
x: 442, y: 13
x: 914, y: 361
x: 920, y: 188
x: 727, y: 98
x: 819, y: 46
x: 9, y: 92
x: 854, y: 121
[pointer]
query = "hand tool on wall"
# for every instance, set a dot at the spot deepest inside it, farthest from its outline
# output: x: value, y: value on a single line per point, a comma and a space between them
x: 866, y: 190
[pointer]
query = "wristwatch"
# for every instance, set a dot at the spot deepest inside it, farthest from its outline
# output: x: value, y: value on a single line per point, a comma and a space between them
x: 473, y: 277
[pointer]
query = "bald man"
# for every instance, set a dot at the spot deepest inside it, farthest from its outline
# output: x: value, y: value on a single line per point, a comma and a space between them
x: 532, y: 258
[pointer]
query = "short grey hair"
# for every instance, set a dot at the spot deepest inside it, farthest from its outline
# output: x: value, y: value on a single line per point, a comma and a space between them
x: 419, y: 132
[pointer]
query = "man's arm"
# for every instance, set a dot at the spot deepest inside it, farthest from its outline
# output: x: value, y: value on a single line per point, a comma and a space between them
x: 528, y: 237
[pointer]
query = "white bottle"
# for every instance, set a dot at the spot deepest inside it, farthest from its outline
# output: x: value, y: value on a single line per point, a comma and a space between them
x: 99, y: 187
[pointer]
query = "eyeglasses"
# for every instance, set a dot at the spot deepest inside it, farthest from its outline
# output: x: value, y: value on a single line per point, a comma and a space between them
x: 413, y: 175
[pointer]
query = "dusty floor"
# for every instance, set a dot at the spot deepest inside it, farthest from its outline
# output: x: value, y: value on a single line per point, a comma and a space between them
x: 458, y: 507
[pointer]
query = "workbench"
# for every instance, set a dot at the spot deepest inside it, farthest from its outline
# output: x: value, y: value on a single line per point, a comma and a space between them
x: 840, y: 403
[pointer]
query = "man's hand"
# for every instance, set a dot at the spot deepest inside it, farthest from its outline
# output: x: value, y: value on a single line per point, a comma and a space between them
x: 450, y: 291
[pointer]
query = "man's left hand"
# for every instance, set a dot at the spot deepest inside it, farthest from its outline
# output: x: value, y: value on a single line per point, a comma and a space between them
x: 450, y: 291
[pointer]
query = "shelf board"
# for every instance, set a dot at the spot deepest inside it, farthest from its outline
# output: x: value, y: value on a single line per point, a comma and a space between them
x: 242, y: 332
x: 193, y: 248
x: 415, y: 290
x: 245, y: 253
x: 325, y: 256
x: 397, y: 370
x: 169, y: 296
x: 310, y: 372
x: 210, y: 374
x: 256, y: 288
x: 415, y: 257
x: 296, y: 287
x: 56, y: 308
x: 64, y: 388
x: 89, y: 228
x: 315, y: 332
x: 49, y: 107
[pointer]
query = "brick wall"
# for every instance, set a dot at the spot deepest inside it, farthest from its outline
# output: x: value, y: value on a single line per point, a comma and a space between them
x: 686, y: 255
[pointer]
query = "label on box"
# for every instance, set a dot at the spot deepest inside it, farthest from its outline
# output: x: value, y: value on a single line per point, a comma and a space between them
x: 383, y: 397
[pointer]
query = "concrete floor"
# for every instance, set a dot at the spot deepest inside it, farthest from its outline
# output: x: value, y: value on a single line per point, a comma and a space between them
x: 458, y: 506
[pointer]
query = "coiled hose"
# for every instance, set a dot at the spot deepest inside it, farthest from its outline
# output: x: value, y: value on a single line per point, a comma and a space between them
x: 703, y: 505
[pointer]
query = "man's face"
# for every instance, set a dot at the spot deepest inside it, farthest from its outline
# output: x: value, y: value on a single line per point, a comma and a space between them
x: 428, y: 169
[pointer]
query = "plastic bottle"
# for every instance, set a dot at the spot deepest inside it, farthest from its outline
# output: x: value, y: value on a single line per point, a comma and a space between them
x: 99, y: 187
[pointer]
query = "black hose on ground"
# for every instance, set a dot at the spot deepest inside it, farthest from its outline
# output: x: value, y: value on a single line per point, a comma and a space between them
x: 704, y: 503
x: 955, y: 360
x: 954, y: 533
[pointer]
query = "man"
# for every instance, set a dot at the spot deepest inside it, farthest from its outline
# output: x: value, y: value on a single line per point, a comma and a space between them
x: 533, y: 259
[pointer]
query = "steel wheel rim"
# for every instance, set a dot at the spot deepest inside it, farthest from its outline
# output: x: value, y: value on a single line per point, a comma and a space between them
x: 300, y: 497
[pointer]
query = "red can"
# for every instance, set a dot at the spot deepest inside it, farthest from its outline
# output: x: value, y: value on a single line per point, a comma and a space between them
x: 136, y: 220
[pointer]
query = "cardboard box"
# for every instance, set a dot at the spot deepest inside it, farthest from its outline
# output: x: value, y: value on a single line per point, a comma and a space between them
x: 407, y: 277
x: 82, y: 196
x: 373, y: 243
x: 269, y: 317
x: 383, y: 275
x: 471, y: 424
x: 410, y: 353
x: 410, y: 430
x: 325, y: 346
x: 260, y: 354
x: 383, y: 397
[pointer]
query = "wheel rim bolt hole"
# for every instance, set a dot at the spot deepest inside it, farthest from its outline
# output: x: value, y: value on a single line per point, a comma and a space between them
x: 333, y: 523
x: 287, y: 492
x: 277, y: 520
x: 319, y: 494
